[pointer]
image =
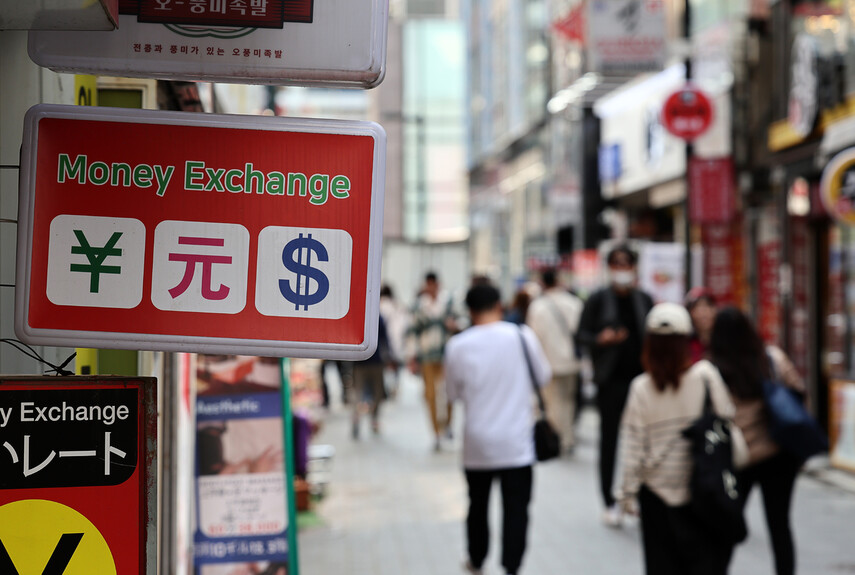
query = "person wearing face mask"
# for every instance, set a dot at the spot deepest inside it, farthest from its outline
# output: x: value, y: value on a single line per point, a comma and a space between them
x: 611, y: 329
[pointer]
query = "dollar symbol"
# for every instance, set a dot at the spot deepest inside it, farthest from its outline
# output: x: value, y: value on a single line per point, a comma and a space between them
x: 292, y: 257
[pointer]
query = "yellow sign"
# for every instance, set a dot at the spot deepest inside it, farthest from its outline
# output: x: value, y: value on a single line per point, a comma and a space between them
x: 40, y: 536
x: 85, y: 90
x: 837, y: 188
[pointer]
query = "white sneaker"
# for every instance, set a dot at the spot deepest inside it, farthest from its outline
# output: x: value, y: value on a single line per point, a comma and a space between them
x: 613, y: 516
x: 467, y: 566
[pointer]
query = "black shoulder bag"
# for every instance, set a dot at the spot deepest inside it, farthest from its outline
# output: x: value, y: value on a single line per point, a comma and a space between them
x: 547, y: 442
x: 715, y: 492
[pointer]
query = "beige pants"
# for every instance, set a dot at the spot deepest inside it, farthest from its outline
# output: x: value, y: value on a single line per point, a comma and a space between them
x: 560, y: 399
x: 433, y: 376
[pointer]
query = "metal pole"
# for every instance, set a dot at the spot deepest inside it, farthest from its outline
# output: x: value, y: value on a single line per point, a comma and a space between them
x: 687, y: 35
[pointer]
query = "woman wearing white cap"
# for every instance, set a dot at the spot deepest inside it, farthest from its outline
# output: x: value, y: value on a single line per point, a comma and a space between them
x: 656, y: 459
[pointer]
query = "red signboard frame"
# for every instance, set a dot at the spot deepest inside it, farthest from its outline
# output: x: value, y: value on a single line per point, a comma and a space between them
x: 124, y: 514
x: 59, y: 136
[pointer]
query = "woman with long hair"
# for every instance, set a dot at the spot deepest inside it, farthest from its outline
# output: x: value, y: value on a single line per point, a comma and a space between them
x: 739, y: 353
x: 663, y: 401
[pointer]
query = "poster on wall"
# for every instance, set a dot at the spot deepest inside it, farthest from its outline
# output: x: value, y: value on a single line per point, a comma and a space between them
x: 244, y: 483
x: 842, y: 424
x: 661, y: 271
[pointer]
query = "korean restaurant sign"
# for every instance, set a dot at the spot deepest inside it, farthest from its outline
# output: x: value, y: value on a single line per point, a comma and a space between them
x: 202, y: 233
x: 78, y: 475
x: 300, y: 42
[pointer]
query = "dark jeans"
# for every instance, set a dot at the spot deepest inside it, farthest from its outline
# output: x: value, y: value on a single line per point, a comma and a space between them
x: 777, y: 478
x: 611, y: 399
x: 674, y: 543
x: 516, y: 494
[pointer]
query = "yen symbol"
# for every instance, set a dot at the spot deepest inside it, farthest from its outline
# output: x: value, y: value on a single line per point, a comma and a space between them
x: 58, y: 561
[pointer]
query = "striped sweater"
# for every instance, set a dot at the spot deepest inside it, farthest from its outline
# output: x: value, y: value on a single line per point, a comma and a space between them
x: 653, y: 451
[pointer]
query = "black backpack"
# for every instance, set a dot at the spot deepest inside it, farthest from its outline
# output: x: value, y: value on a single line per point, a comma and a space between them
x: 716, y: 500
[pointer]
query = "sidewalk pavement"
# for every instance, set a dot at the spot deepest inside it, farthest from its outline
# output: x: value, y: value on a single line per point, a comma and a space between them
x: 394, y: 506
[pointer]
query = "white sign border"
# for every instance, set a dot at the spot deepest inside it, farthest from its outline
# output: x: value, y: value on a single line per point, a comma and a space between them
x: 367, y: 76
x: 196, y: 344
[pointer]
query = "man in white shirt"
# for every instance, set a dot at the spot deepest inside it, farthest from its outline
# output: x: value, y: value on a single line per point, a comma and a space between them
x: 554, y: 317
x: 485, y: 368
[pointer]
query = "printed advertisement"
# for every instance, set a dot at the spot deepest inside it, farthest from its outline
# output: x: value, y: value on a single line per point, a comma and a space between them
x: 661, y: 271
x: 242, y: 480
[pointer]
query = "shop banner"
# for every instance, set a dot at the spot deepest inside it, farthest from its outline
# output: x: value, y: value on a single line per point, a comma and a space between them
x: 626, y: 36
x: 78, y: 475
x: 712, y: 190
x: 661, y: 271
x: 722, y: 259
x: 300, y: 42
x: 842, y: 424
x: 244, y: 483
x: 198, y: 232
x: 768, y: 299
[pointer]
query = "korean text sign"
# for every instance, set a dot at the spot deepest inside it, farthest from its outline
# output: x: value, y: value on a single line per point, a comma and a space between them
x: 77, y: 475
x: 302, y: 42
x: 190, y: 232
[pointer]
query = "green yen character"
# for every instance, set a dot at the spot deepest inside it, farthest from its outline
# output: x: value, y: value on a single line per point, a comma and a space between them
x: 96, y: 257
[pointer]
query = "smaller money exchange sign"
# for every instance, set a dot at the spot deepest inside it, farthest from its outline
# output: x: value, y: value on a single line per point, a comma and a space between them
x: 190, y: 232
x: 77, y: 475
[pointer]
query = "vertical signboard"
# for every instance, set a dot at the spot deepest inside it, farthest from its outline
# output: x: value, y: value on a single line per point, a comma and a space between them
x: 244, y: 483
x: 78, y: 475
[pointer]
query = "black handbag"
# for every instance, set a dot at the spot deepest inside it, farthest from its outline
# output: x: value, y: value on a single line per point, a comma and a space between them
x: 714, y: 486
x: 547, y: 442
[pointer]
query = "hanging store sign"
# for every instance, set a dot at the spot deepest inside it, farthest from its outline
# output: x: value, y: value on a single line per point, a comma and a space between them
x: 837, y: 187
x: 687, y: 113
x: 626, y: 36
x: 803, y: 105
x: 300, y: 42
x: 190, y: 232
x: 78, y: 475
x: 712, y: 190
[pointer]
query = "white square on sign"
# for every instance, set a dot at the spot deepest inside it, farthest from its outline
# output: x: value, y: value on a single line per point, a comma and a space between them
x: 95, y: 261
x: 303, y: 272
x: 200, y: 267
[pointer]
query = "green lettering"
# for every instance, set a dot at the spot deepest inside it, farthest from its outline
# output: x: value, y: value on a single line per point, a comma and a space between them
x: 251, y: 176
x: 215, y: 181
x: 191, y: 175
x: 99, y: 179
x: 297, y: 180
x: 72, y: 171
x: 340, y: 187
x: 163, y: 177
x: 230, y: 181
x: 275, y: 183
x: 319, y: 195
x: 123, y: 171
x: 142, y: 176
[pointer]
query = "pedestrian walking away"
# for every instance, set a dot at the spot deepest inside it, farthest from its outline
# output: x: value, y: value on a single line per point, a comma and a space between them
x: 611, y: 328
x: 432, y: 322
x: 655, y: 457
x: 745, y: 362
x: 487, y: 371
x: 554, y: 318
x: 368, y: 385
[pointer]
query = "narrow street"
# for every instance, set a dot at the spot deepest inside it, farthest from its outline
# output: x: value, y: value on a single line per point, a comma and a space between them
x: 396, y: 507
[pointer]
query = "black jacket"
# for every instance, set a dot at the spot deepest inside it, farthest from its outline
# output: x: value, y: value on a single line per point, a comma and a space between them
x: 601, y: 311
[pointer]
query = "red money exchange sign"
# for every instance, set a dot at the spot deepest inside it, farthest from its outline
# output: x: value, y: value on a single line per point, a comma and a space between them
x: 214, y: 234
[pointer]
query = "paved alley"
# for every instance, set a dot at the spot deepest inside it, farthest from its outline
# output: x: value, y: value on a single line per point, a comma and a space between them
x: 396, y: 507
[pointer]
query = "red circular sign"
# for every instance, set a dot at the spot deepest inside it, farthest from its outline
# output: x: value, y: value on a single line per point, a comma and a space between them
x: 687, y: 113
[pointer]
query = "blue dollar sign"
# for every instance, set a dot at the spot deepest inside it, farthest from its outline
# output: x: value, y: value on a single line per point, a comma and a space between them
x: 292, y: 257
